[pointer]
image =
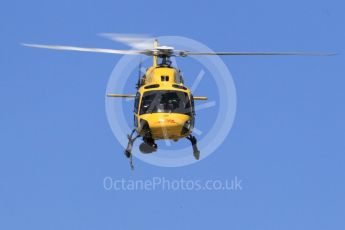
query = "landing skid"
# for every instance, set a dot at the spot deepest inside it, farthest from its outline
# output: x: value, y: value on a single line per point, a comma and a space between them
x: 196, y: 152
x: 129, y: 155
x: 128, y: 151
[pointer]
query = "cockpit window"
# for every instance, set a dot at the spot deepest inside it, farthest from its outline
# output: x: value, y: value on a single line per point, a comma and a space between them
x: 160, y: 101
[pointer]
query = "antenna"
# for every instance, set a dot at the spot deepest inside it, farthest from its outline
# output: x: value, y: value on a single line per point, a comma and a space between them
x: 155, y: 46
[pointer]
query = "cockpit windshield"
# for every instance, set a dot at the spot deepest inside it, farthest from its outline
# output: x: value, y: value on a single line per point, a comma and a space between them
x: 165, y: 101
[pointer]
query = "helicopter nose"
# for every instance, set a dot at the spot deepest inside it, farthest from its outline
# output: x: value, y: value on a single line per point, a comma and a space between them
x: 167, y: 122
x: 167, y: 126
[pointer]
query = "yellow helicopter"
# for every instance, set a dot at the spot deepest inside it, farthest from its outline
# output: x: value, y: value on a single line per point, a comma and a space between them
x: 163, y: 105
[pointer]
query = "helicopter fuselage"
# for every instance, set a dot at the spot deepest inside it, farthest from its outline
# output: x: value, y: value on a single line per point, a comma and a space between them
x: 164, y: 107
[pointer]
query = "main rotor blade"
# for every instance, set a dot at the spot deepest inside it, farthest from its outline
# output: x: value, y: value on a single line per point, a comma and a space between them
x: 187, y: 53
x: 95, y: 50
x: 136, y: 41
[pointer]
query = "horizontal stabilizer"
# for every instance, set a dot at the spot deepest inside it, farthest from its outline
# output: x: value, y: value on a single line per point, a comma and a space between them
x: 200, y: 98
x: 121, y: 95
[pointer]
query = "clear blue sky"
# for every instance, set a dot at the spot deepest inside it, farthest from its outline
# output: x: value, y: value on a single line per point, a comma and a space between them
x: 287, y: 143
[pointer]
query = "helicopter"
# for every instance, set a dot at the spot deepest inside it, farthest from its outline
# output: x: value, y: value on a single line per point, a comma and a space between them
x: 163, y: 105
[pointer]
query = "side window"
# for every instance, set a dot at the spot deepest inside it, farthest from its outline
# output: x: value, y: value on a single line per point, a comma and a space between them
x: 135, y: 121
x: 193, y: 110
x: 136, y: 103
x: 178, y: 77
x: 181, y: 78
